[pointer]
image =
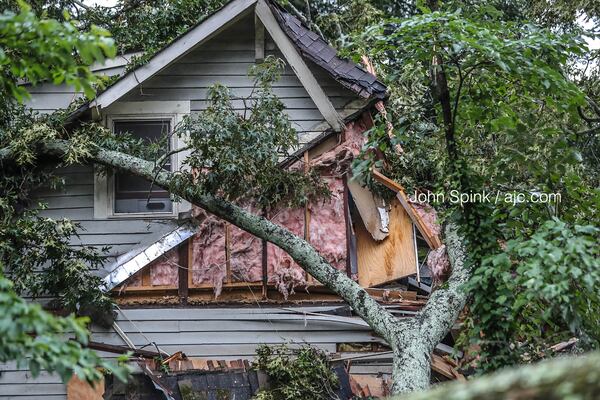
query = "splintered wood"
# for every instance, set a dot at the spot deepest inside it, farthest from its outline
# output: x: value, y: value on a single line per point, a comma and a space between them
x: 430, y: 234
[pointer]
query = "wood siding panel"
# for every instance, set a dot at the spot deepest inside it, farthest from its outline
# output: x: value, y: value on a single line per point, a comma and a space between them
x: 216, y: 333
x: 74, y: 200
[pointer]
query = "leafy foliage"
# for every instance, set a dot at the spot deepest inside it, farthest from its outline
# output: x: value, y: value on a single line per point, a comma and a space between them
x: 29, y: 243
x: 541, y: 290
x: 30, y: 334
x: 35, y: 50
x: 303, y: 373
x: 481, y: 102
x: 237, y: 154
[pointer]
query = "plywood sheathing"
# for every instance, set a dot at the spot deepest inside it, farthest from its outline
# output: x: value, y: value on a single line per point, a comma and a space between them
x: 428, y: 231
x: 389, y: 259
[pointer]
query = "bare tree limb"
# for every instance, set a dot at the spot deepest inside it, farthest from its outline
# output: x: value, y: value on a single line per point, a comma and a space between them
x: 562, y: 378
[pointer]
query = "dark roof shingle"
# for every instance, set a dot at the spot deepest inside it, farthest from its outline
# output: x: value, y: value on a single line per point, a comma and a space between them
x: 316, y: 49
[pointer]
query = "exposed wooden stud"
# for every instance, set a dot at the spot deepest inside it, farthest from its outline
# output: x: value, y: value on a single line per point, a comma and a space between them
x: 190, y: 270
x: 259, y: 40
x: 228, y: 252
x: 146, y: 278
x: 184, y: 266
x: 296, y: 62
x: 265, y: 272
x: 348, y: 224
x: 416, y: 254
x: 307, y: 276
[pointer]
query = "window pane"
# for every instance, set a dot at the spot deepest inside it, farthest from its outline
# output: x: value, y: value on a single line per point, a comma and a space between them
x: 132, y: 194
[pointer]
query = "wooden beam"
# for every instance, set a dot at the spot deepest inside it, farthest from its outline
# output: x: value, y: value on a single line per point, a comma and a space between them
x: 348, y: 224
x: 228, y: 252
x: 307, y: 276
x: 111, y: 348
x: 430, y: 237
x: 207, y: 29
x: 265, y: 271
x: 296, y: 62
x: 146, y: 278
x: 259, y: 40
x: 184, y: 266
x: 190, y: 269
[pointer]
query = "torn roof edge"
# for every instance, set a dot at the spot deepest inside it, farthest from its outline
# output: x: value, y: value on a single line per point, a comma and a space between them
x: 326, y: 134
x: 312, y: 46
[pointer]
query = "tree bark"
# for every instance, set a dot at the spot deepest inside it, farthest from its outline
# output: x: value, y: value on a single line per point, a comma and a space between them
x: 411, y: 339
x: 562, y: 378
x: 418, y: 336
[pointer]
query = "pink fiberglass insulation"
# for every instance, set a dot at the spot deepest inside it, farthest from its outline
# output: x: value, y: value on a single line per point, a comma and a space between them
x: 337, y: 161
x: 246, y: 256
x: 428, y: 215
x: 439, y: 264
x: 209, y: 252
x: 165, y: 270
x: 328, y: 224
x: 282, y: 271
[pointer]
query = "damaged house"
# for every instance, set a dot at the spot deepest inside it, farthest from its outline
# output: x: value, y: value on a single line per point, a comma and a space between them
x: 198, y: 292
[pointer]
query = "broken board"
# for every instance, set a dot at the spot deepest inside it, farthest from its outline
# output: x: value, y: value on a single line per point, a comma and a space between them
x: 389, y: 259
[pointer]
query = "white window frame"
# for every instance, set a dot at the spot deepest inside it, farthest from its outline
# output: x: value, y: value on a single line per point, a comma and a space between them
x: 104, y: 196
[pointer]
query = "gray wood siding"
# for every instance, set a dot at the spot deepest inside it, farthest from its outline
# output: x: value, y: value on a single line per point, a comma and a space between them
x: 217, y: 333
x: 75, y: 200
x: 226, y: 59
x: 47, y: 97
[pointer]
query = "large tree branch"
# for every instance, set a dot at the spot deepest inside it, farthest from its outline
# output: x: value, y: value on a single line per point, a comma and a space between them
x: 444, y: 306
x: 569, y: 377
x: 412, y: 339
x: 302, y: 252
x: 418, y: 336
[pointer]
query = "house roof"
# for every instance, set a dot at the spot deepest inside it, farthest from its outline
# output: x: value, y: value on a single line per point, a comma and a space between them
x: 310, y: 45
x: 316, y: 49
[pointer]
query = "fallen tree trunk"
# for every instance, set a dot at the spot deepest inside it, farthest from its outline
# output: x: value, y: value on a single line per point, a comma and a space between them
x: 411, y: 339
x: 419, y: 335
x: 562, y: 378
